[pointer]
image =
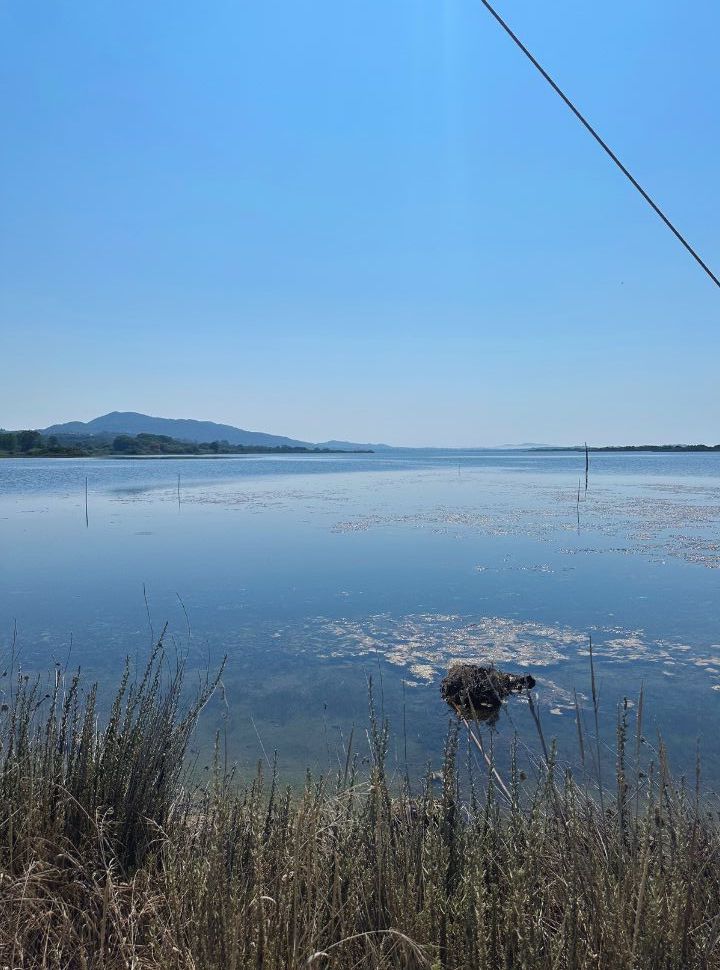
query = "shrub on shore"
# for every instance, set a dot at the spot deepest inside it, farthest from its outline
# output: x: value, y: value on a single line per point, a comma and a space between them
x: 110, y: 856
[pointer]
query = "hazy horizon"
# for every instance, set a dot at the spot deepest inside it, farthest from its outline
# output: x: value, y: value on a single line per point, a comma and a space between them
x: 370, y: 439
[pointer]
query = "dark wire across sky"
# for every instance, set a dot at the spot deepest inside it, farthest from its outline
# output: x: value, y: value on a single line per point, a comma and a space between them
x: 603, y: 144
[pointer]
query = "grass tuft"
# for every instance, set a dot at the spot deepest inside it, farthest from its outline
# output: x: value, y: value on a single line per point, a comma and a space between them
x: 111, y: 858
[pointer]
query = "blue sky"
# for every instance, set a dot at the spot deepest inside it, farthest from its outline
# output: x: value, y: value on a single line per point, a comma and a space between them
x: 366, y: 219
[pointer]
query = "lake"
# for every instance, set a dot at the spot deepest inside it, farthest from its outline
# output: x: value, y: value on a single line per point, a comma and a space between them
x: 314, y: 574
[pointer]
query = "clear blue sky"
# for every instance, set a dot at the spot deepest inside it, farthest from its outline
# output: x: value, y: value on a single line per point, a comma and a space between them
x: 364, y: 219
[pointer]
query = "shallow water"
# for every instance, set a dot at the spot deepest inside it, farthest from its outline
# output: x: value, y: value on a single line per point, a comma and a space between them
x: 313, y: 574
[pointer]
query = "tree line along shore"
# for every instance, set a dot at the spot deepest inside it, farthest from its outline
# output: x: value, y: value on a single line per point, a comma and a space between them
x: 30, y: 443
x: 670, y: 448
x: 33, y: 444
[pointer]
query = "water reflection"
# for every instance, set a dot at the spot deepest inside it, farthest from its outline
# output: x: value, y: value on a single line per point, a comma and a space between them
x: 314, y: 574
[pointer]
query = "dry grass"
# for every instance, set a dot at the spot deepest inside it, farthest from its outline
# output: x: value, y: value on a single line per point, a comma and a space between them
x: 109, y: 858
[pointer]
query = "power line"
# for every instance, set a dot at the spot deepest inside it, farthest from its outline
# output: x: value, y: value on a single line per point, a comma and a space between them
x: 606, y: 148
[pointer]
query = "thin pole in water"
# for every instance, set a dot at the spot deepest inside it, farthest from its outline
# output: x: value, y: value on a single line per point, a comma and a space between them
x: 87, y: 520
x: 578, y: 507
x: 587, y: 465
x: 178, y: 492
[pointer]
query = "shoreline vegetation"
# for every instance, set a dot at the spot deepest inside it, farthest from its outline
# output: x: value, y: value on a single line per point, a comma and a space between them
x: 671, y: 448
x: 33, y: 444
x: 113, y: 855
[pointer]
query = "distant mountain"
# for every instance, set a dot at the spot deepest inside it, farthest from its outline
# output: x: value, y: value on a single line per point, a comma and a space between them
x: 184, y: 429
x: 524, y: 446
x: 352, y: 445
x: 188, y: 429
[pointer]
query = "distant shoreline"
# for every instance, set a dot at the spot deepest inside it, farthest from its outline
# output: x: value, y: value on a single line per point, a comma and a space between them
x: 34, y: 444
x: 105, y: 450
x: 652, y: 448
x: 268, y: 452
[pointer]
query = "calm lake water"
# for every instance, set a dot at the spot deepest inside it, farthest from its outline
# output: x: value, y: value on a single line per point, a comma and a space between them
x: 313, y: 574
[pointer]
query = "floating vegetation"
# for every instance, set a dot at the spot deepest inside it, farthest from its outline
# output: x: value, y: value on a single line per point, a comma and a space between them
x: 425, y: 643
x: 655, y: 520
x: 542, y: 568
x: 652, y: 523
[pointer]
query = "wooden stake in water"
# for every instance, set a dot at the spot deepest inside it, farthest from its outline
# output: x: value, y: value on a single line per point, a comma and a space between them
x: 587, y: 466
x: 578, y: 507
x: 178, y: 492
x: 87, y: 521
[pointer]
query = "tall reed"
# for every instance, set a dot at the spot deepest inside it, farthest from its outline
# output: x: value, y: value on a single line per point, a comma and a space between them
x: 110, y: 857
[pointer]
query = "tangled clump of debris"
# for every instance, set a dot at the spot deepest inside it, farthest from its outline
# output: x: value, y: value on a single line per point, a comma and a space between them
x: 477, y: 692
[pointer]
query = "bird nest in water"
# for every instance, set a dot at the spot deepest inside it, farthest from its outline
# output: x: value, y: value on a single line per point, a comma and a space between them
x: 477, y: 692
